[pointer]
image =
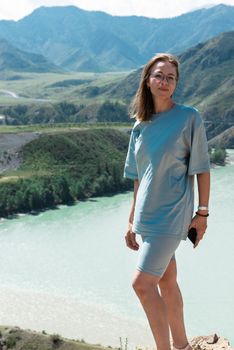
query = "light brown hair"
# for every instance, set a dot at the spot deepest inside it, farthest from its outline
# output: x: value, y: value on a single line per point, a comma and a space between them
x: 142, y: 106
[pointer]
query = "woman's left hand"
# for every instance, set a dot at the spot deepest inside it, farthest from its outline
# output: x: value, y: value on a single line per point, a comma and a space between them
x: 200, y: 223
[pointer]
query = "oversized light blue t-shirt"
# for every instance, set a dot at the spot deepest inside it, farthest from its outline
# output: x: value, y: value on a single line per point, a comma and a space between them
x: 163, y: 153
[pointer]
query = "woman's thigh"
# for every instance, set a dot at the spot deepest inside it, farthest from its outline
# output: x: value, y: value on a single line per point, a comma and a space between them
x: 156, y: 253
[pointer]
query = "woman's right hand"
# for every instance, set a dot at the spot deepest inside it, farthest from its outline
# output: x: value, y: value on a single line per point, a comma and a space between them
x: 130, y: 239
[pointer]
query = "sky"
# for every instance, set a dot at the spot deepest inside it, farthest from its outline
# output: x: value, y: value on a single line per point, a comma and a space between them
x: 16, y: 9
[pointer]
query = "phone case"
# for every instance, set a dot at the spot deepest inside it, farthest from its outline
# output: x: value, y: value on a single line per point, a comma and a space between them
x: 192, y: 234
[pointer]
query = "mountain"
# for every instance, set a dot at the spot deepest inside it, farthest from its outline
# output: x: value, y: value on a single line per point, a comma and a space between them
x: 225, y: 139
x: 206, y: 81
x: 14, y: 59
x: 95, y: 41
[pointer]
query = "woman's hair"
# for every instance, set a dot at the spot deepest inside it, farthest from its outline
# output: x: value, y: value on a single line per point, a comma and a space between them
x: 142, y: 106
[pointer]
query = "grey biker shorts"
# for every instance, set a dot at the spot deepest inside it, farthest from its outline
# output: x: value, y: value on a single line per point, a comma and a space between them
x: 155, y: 253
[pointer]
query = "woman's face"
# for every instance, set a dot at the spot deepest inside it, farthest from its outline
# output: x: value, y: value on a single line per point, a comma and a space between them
x: 162, y: 80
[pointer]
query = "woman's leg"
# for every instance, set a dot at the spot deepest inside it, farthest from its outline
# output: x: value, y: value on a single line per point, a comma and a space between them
x: 154, y: 256
x: 172, y: 297
x: 145, y: 286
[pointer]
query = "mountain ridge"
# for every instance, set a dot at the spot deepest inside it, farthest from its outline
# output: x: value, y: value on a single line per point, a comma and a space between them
x: 81, y: 40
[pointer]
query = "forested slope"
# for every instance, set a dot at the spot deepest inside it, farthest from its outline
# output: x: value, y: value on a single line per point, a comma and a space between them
x: 65, y: 167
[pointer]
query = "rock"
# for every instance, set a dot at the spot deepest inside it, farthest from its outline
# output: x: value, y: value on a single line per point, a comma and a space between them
x: 211, y: 342
x: 212, y: 339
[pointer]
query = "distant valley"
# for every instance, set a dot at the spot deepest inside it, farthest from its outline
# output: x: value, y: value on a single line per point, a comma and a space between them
x: 205, y: 82
x: 45, y: 79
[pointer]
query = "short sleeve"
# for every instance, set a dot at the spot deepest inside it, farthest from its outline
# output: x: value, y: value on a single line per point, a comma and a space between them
x: 199, y: 160
x: 130, y: 167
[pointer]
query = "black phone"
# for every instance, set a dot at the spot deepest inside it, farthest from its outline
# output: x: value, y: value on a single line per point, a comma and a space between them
x: 192, y: 235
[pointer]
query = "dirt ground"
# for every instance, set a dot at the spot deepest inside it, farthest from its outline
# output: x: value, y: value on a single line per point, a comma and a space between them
x: 10, y: 145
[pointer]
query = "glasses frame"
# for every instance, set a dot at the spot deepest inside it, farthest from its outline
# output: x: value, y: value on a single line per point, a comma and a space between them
x: 170, y: 82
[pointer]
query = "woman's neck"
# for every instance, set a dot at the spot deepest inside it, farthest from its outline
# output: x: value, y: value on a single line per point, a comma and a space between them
x: 163, y: 105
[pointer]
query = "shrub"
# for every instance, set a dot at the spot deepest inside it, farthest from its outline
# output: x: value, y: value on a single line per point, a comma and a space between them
x: 56, y: 340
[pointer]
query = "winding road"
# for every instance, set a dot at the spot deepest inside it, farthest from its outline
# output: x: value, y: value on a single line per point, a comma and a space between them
x: 9, y: 93
x: 12, y: 94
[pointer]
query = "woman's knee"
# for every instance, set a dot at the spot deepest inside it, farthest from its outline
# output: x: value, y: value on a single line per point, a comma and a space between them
x: 143, y: 283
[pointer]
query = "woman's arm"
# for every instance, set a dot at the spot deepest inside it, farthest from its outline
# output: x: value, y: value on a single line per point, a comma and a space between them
x: 200, y: 222
x: 131, y: 215
x: 203, y: 182
x: 130, y: 236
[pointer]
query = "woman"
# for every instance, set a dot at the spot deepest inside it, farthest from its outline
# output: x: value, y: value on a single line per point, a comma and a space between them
x: 167, y: 147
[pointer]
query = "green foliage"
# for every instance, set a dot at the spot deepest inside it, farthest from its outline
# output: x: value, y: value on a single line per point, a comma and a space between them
x: 218, y: 156
x: 69, y: 82
x: 12, y: 340
x: 63, y: 112
x: 56, y: 340
x: 112, y: 112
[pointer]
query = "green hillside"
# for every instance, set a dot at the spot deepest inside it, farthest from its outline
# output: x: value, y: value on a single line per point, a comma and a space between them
x: 17, y: 60
x: 210, y: 85
x: 63, y: 167
x: 42, y: 88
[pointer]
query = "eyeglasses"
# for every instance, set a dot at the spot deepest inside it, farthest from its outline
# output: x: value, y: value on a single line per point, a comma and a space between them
x: 160, y: 77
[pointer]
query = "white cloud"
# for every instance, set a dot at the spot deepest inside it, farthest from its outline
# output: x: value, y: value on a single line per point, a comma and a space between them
x: 12, y: 9
x: 9, y: 9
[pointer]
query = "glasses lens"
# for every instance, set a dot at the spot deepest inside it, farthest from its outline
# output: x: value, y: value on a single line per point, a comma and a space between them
x: 160, y: 77
x: 171, y: 79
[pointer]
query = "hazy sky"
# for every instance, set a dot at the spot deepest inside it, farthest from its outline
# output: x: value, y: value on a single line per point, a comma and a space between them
x: 16, y: 9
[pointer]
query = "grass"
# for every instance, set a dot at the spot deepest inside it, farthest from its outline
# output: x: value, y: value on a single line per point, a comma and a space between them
x: 60, y: 127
